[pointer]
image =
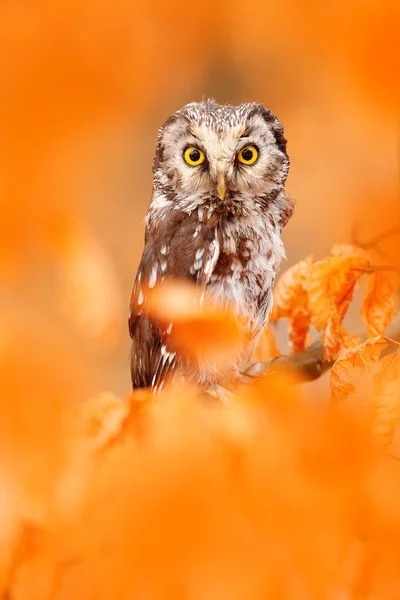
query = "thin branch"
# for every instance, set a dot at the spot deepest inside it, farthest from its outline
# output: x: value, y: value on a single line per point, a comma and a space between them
x: 378, y: 238
x: 373, y: 242
x: 374, y: 268
x: 391, y: 340
x: 309, y: 364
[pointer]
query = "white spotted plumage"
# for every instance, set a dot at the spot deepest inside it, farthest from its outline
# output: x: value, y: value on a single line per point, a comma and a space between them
x: 217, y: 224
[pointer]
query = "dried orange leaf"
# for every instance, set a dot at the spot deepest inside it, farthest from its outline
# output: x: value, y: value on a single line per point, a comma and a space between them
x: 267, y: 348
x: 291, y: 302
x: 349, y: 250
x: 289, y: 292
x: 352, y: 363
x: 386, y: 400
x: 299, y: 325
x: 103, y: 418
x: 333, y: 336
x: 197, y: 327
x: 378, y: 307
x: 330, y: 287
x: 336, y: 338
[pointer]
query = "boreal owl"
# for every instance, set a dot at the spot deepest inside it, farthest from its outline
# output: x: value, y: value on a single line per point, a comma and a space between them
x: 215, y: 218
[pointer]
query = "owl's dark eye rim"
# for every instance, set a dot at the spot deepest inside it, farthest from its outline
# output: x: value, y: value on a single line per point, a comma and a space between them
x: 194, y: 161
x: 245, y: 163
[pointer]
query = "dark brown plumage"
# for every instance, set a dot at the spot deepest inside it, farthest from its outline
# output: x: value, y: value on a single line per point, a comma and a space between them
x: 216, y: 222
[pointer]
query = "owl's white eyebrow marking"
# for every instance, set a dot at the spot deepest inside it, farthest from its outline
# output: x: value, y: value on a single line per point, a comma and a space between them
x: 153, y: 277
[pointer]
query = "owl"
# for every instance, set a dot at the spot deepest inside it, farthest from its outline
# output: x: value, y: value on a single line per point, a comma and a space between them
x: 216, y: 215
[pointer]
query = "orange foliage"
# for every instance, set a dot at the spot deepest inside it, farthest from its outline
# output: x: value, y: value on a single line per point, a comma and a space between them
x: 386, y: 400
x: 291, y: 302
x: 178, y: 496
x: 354, y: 361
x: 320, y: 293
x: 378, y: 307
x: 198, y: 329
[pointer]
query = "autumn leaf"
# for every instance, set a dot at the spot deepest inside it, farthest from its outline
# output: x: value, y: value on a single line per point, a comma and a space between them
x: 195, y: 326
x: 349, y: 250
x: 354, y: 362
x: 378, y: 306
x: 299, y: 325
x: 330, y: 288
x: 103, y: 417
x: 386, y: 400
x: 290, y: 291
x: 331, y: 284
x: 267, y: 348
x: 291, y: 302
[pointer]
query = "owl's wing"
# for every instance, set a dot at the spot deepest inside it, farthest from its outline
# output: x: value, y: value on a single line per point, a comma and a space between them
x: 185, y: 247
x: 150, y: 359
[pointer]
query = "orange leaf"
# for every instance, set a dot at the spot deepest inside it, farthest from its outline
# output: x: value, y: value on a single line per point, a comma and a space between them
x: 200, y: 330
x: 386, y: 400
x: 267, y: 348
x: 378, y: 306
x: 291, y: 302
x: 331, y: 285
x: 354, y: 362
x: 343, y: 250
x: 299, y: 324
x: 289, y: 292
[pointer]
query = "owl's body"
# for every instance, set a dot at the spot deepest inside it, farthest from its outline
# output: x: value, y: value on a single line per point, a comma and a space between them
x: 215, y: 218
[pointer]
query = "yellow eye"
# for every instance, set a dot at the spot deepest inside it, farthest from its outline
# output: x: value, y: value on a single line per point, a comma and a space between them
x: 248, y: 155
x: 194, y: 156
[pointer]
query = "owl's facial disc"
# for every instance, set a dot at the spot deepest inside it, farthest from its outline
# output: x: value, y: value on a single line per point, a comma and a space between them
x: 208, y: 152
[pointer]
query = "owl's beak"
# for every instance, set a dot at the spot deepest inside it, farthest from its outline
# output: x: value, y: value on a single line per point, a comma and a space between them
x: 221, y: 187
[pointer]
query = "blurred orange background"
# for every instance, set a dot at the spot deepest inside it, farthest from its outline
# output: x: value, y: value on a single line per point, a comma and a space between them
x: 97, y: 505
x: 85, y: 86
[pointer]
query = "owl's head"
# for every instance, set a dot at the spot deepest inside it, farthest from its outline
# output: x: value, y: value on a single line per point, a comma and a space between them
x: 221, y: 154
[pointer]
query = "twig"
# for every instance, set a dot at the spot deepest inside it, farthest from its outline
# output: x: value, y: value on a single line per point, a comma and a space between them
x: 373, y: 268
x: 373, y: 242
x: 377, y: 239
x: 309, y: 364
x: 391, y: 340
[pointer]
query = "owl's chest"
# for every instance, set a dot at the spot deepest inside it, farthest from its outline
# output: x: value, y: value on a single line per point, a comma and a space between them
x: 245, y: 268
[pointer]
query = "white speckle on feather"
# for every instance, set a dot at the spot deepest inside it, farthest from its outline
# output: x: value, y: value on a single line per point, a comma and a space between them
x: 197, y: 231
x: 164, y: 249
x: 140, y: 298
x: 163, y: 266
x: 199, y: 253
x: 153, y: 277
x: 214, y: 254
x: 200, y: 213
x: 197, y: 264
x: 169, y: 329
